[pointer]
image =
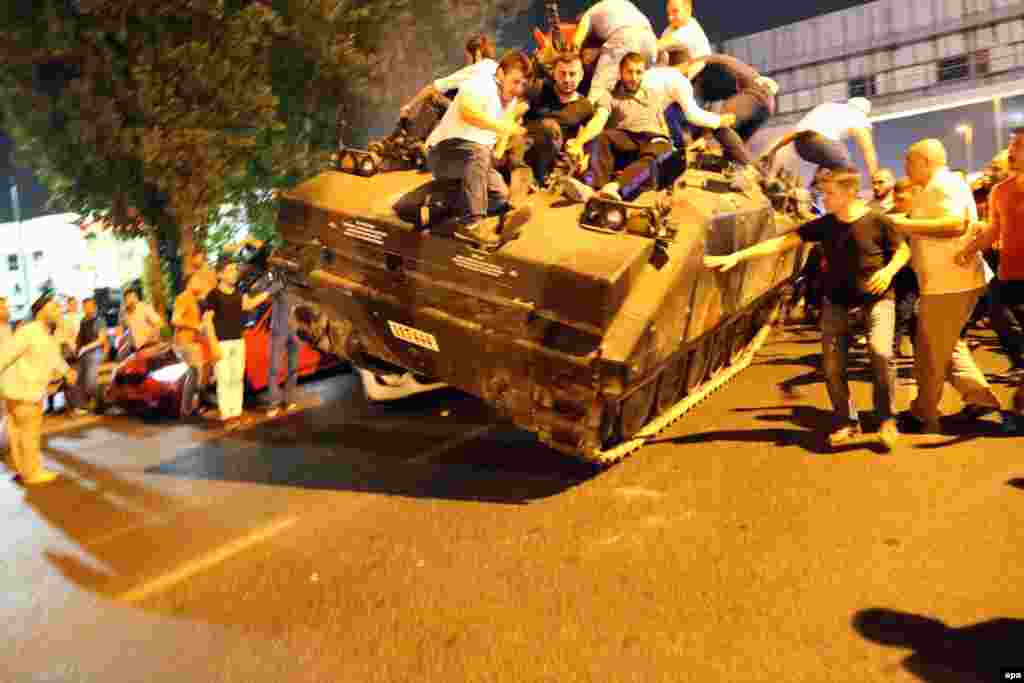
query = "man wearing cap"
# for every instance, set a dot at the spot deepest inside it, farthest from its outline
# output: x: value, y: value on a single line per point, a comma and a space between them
x: 820, y: 137
x: 27, y: 364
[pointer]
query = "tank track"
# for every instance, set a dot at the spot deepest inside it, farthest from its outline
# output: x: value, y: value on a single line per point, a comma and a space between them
x: 660, y: 423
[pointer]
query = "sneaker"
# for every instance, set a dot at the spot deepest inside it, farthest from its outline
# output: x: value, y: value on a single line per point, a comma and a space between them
x: 291, y: 407
x: 976, y: 411
x: 483, y: 233
x: 912, y: 424
x: 576, y: 190
x: 843, y: 434
x: 43, y: 477
x: 889, y: 434
x: 511, y: 223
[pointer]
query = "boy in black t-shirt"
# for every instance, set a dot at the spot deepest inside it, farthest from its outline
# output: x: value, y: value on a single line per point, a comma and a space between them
x: 864, y: 252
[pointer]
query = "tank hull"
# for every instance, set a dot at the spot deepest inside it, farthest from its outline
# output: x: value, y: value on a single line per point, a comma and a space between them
x: 585, y: 338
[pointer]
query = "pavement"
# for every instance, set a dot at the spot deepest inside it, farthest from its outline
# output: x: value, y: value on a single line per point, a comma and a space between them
x: 422, y: 542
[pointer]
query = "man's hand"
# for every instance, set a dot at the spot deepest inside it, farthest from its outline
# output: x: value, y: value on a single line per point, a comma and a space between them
x: 522, y: 106
x: 728, y: 121
x: 574, y: 148
x: 72, y: 376
x: 879, y: 282
x: 768, y: 84
x: 721, y: 263
x: 510, y: 129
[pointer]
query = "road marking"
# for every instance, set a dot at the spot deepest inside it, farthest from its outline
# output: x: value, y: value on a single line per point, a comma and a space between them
x: 441, y: 449
x: 207, y: 561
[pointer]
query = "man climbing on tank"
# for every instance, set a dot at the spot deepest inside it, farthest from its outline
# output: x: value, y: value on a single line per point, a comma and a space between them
x: 636, y: 133
x: 420, y: 115
x: 622, y: 29
x: 461, y: 150
x: 820, y: 136
x: 557, y: 112
x: 864, y: 252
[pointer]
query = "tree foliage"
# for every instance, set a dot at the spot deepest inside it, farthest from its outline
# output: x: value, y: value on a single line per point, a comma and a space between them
x: 153, y: 114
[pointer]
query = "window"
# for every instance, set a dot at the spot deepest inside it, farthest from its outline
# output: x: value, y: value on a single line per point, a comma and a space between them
x: 12, y: 262
x: 982, y: 63
x: 954, y: 68
x: 37, y: 256
x: 863, y: 87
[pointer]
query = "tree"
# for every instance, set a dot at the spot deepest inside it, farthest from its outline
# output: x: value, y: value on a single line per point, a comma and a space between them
x: 152, y: 114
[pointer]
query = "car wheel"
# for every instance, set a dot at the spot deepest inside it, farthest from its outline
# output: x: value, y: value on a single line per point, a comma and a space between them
x: 189, y: 395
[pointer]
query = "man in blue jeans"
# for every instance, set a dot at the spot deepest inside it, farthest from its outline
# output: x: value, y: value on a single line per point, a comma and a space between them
x: 864, y: 252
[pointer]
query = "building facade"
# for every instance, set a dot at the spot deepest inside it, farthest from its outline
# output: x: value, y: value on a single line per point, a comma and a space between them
x: 907, y: 56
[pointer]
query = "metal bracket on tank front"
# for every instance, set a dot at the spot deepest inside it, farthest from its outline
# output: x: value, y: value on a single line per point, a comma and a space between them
x: 613, y: 217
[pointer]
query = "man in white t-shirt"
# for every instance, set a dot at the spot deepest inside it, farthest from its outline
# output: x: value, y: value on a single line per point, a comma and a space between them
x: 480, y: 53
x: 940, y: 214
x: 820, y: 137
x: 684, y: 35
x: 622, y: 28
x: 460, y: 150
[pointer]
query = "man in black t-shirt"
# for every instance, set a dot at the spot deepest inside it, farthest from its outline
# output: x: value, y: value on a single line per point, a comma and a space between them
x: 225, y: 312
x: 92, y: 345
x: 864, y: 252
x: 556, y: 113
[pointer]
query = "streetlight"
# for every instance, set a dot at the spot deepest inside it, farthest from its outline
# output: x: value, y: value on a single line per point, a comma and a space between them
x: 966, y: 130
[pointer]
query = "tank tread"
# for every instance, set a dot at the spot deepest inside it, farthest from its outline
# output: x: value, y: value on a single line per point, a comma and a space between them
x: 660, y: 423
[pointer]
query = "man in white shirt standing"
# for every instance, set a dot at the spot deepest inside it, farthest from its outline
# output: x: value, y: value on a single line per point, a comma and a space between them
x: 480, y: 53
x: 940, y: 214
x: 141, y: 319
x: 461, y: 150
x: 27, y: 364
x: 622, y: 28
x: 820, y: 137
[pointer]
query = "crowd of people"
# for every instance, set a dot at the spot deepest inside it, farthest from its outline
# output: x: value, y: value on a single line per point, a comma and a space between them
x: 914, y: 262
x: 60, y: 349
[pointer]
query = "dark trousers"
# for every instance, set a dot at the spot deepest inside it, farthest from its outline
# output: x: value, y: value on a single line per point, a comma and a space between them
x: 819, y: 150
x: 88, y: 376
x: 538, y: 149
x: 280, y: 343
x: 906, y: 290
x: 617, y: 147
x: 731, y: 139
x: 481, y: 189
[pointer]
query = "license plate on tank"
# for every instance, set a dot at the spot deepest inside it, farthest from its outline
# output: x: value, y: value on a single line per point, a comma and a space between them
x: 414, y: 336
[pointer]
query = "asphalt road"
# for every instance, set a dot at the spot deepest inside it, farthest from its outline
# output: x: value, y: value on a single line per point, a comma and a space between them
x: 417, y: 542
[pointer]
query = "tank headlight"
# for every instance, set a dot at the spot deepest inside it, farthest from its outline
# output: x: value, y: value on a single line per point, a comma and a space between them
x: 358, y: 162
x: 614, y: 218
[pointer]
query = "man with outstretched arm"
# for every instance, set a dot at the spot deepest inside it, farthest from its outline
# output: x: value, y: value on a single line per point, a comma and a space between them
x: 940, y: 214
x: 480, y: 53
x: 635, y: 118
x: 461, y: 149
x: 864, y: 252
x: 820, y: 137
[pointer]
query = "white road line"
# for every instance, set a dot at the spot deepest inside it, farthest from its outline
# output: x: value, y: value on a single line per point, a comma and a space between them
x: 441, y: 449
x: 207, y: 561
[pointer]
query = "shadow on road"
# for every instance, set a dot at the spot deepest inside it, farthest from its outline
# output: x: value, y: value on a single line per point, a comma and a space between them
x: 945, y: 654
x: 439, y: 445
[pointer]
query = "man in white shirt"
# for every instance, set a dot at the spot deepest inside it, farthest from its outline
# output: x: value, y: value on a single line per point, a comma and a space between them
x: 460, y: 150
x: 683, y: 36
x: 141, y: 319
x: 940, y: 214
x: 634, y: 114
x: 27, y: 364
x: 622, y: 28
x: 480, y: 53
x: 820, y: 137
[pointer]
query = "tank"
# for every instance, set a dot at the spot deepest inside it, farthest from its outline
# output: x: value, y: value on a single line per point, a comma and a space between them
x: 595, y: 329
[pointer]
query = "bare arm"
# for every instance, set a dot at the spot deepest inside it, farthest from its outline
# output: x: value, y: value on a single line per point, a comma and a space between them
x: 866, y: 142
x: 946, y: 226
x: 593, y: 128
x: 780, y: 143
x: 251, y: 302
x: 425, y: 92
x: 582, y: 31
x: 775, y: 245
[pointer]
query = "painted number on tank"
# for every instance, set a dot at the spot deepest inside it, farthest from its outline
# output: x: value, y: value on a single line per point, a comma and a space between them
x: 414, y: 336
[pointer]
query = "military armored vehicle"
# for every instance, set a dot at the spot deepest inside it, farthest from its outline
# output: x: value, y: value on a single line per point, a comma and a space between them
x: 595, y: 329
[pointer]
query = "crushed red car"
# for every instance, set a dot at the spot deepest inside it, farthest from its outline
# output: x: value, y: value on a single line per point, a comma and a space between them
x: 155, y: 380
